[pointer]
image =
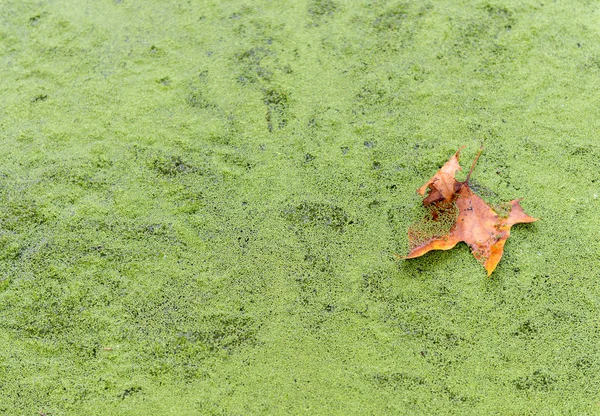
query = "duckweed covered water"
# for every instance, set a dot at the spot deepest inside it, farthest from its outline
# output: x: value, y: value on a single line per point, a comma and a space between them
x: 200, y: 204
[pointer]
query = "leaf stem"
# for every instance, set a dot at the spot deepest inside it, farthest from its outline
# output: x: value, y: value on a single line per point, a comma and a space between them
x: 473, y: 165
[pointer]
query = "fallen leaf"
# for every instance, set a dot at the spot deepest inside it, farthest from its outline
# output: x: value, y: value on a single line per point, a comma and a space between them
x: 442, y: 185
x: 457, y: 214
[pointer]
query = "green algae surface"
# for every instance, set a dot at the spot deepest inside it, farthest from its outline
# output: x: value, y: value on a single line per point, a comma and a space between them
x: 200, y: 202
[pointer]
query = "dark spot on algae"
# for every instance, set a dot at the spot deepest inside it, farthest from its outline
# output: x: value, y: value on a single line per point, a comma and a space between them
x: 392, y: 19
x: 195, y: 98
x: 276, y: 100
x: 397, y: 380
x: 172, y: 166
x: 166, y: 81
x: 525, y: 330
x: 378, y: 286
x: 319, y: 214
x: 39, y: 98
x: 129, y: 391
x: 539, y: 380
x: 35, y: 20
x: 225, y: 332
x: 253, y: 68
x: 20, y: 214
x: 320, y: 8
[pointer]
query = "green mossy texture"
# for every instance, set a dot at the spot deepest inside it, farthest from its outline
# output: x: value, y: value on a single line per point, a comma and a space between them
x: 200, y: 202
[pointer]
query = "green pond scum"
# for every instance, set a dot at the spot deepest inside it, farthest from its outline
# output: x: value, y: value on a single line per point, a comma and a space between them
x: 200, y: 202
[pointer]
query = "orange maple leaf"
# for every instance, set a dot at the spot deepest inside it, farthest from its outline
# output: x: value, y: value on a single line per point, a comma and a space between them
x: 471, y: 220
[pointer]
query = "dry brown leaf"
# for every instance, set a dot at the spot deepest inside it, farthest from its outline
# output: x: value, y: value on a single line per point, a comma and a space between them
x: 470, y: 218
